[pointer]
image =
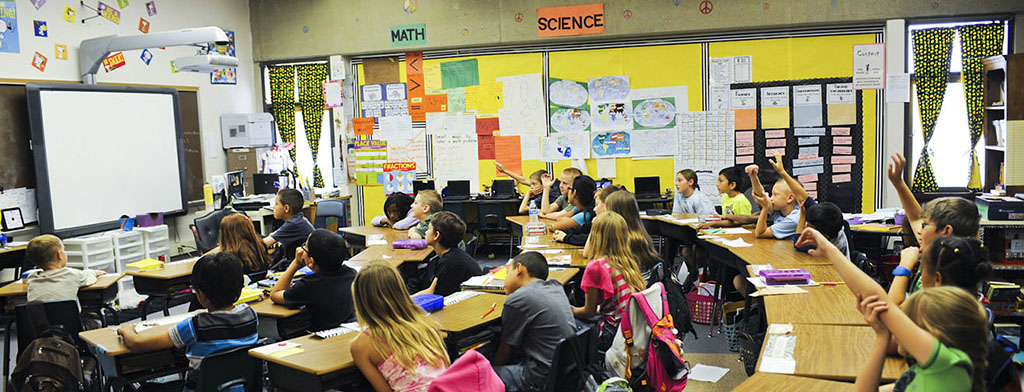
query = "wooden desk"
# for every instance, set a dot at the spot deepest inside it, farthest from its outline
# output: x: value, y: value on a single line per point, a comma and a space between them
x: 771, y: 382
x: 280, y: 322
x: 12, y: 249
x: 466, y: 314
x: 836, y: 352
x: 118, y: 361
x: 103, y: 282
x: 93, y: 298
x: 820, y: 305
x: 562, y: 275
x: 390, y: 235
x: 819, y: 273
x: 164, y: 282
x: 385, y: 252
x: 323, y: 364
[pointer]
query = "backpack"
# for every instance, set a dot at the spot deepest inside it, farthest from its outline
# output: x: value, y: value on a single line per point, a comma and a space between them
x: 677, y: 304
x: 50, y: 362
x: 1002, y: 374
x: 470, y: 372
x: 664, y: 368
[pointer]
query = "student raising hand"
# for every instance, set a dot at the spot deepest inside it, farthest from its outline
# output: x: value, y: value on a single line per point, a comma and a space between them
x: 776, y: 163
x: 871, y: 308
x: 895, y: 171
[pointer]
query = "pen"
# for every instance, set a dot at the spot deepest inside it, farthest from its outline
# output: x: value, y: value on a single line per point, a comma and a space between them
x: 832, y: 283
x: 489, y: 310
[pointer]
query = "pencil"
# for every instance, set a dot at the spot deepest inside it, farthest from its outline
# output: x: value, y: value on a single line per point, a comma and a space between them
x: 489, y: 310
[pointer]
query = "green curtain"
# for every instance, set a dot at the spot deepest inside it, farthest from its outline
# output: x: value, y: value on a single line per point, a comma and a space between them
x: 311, y: 78
x: 282, y: 97
x: 977, y: 42
x: 932, y: 48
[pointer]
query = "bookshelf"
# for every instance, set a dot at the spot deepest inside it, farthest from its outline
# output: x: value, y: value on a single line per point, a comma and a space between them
x: 1004, y: 103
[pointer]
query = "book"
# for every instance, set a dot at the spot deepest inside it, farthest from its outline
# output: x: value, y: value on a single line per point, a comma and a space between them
x: 144, y: 265
x: 249, y: 295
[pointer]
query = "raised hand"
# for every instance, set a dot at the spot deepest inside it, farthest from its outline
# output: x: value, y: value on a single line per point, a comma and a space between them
x: 895, y: 172
x: 499, y: 166
x: 752, y: 170
x: 546, y: 180
x: 776, y: 163
x: 812, y: 237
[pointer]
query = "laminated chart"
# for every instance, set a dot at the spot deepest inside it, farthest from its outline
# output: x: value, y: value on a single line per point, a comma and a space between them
x: 610, y: 144
x: 370, y: 157
x: 380, y: 100
x: 707, y: 143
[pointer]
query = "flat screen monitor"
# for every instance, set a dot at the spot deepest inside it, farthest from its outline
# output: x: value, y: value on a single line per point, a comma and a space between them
x: 420, y: 185
x: 646, y: 186
x: 235, y: 183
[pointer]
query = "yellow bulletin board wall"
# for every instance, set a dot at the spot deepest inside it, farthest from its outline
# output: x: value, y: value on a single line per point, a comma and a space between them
x: 812, y: 58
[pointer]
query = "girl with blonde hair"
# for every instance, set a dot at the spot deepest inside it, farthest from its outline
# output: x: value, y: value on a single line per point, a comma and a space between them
x: 640, y: 244
x: 400, y: 349
x: 610, y: 277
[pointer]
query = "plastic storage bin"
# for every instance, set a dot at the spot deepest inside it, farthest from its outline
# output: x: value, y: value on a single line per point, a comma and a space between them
x: 103, y: 260
x: 157, y: 243
x: 88, y: 245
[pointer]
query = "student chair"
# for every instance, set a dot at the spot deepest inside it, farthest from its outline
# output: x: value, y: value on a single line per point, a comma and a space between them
x: 226, y: 369
x: 35, y: 318
x: 206, y: 229
x: 492, y: 221
x: 572, y: 356
x: 331, y: 214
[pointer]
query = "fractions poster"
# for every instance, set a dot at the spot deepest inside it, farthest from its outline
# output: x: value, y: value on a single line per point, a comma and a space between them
x: 398, y: 177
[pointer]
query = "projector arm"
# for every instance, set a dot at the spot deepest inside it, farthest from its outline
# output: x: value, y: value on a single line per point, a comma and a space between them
x: 93, y: 51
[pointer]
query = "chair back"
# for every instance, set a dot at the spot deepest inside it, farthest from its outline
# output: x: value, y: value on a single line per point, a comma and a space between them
x: 572, y: 355
x: 231, y: 368
x: 61, y: 315
x: 331, y: 208
x: 208, y: 229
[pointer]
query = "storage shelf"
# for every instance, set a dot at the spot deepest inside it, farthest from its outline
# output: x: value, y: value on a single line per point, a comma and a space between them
x: 996, y: 148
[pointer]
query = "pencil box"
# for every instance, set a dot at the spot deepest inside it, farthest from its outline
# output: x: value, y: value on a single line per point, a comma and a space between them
x: 429, y: 302
x: 409, y: 244
x: 778, y: 277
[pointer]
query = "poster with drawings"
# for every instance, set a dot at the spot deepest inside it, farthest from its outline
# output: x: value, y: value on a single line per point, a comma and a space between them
x: 570, y: 145
x: 610, y: 144
x: 608, y: 89
x: 569, y: 120
x: 611, y: 116
x: 654, y: 113
x: 9, y: 27
x: 648, y: 143
x: 567, y: 93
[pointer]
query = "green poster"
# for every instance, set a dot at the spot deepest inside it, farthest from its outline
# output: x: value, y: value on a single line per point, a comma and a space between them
x: 460, y: 73
x: 404, y: 35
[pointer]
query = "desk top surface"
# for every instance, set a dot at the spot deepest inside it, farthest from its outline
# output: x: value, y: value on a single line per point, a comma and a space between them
x: 390, y: 235
x: 267, y: 308
x: 562, y: 275
x: 771, y: 382
x: 820, y: 305
x: 385, y: 252
x: 108, y: 341
x: 16, y: 248
x: 319, y: 356
x: 21, y: 288
x: 836, y: 352
x: 467, y: 313
x: 170, y: 271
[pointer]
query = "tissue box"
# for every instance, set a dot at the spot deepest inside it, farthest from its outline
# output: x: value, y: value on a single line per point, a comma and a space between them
x: 429, y: 302
x: 409, y: 243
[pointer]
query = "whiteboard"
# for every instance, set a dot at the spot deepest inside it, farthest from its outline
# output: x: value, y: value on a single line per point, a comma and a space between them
x: 103, y: 152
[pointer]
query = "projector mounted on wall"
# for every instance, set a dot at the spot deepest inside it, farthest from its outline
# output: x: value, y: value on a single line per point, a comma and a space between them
x: 93, y: 51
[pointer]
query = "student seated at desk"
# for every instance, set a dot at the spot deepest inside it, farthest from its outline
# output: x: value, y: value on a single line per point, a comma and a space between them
x: 780, y: 213
x: 611, y: 275
x: 454, y: 265
x: 941, y: 328
x: 398, y: 213
x: 217, y: 283
x: 536, y: 193
x: 561, y: 207
x: 640, y: 243
x: 327, y: 293
x: 581, y: 195
x: 401, y: 349
x: 288, y: 208
x: 56, y: 282
x: 427, y: 204
x: 731, y: 184
x: 826, y: 217
x: 689, y: 199
x: 578, y: 235
x: 238, y: 237
x: 537, y: 315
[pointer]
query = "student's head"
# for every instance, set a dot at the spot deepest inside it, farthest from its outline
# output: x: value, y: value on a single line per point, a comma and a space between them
x: 394, y: 322
x: 324, y: 251
x: 536, y: 181
x: 568, y: 175
x: 956, y: 319
x: 825, y: 217
x: 46, y: 252
x: 581, y: 194
x: 640, y: 244
x: 427, y: 202
x: 731, y: 179
x: 948, y: 216
x: 525, y: 268
x: 602, y: 196
x: 782, y: 196
x: 238, y: 236
x: 217, y: 280
x: 397, y: 206
x: 446, y: 230
x: 606, y: 241
x: 955, y: 261
x: 686, y: 181
x: 288, y: 204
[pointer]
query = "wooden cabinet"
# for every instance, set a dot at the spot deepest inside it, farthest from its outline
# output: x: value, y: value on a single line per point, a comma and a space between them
x: 1004, y: 102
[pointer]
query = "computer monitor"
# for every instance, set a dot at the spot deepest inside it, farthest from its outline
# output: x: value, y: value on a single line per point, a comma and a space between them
x: 647, y: 187
x: 503, y: 189
x: 235, y: 183
x: 602, y: 183
x: 265, y: 184
x: 419, y: 185
x: 457, y: 190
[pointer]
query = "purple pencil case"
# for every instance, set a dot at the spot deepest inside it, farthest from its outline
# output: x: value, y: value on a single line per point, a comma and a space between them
x: 409, y: 243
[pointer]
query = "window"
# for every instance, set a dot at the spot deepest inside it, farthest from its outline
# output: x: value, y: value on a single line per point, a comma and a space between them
x: 303, y: 156
x: 950, y: 143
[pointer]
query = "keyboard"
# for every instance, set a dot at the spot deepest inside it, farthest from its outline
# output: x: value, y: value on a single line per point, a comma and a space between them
x: 338, y: 331
x: 459, y: 296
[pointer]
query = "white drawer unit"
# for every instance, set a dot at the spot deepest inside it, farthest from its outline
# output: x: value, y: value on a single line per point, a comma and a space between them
x: 103, y: 260
x: 154, y: 233
x: 124, y: 239
x: 162, y: 254
x: 89, y: 245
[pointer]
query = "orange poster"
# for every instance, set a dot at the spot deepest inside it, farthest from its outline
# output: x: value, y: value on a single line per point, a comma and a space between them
x: 363, y: 126
x: 508, y: 152
x: 414, y: 87
x: 435, y: 103
x: 570, y: 20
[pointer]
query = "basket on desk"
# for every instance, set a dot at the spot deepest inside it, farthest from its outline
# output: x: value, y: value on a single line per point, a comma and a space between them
x: 702, y: 305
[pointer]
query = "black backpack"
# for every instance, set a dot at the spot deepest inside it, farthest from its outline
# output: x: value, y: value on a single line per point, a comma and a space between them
x: 677, y: 304
x: 51, y: 362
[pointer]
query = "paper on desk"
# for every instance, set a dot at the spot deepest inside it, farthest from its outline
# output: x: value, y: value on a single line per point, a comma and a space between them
x: 549, y: 252
x: 736, y: 243
x: 756, y: 269
x: 735, y: 230
x: 12, y: 244
x: 777, y: 356
x: 780, y: 329
x: 778, y: 290
x: 533, y: 246
x: 686, y: 221
x: 707, y: 373
x: 376, y: 239
x: 759, y: 282
x: 276, y: 347
x: 560, y: 260
x: 142, y: 326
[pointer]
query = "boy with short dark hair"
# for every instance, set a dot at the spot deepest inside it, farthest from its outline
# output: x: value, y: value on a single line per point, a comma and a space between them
x: 56, y: 282
x: 537, y: 315
x: 454, y: 266
x: 533, y: 198
x: 731, y: 185
x: 288, y: 208
x: 825, y: 217
x: 327, y: 293
x: 217, y: 283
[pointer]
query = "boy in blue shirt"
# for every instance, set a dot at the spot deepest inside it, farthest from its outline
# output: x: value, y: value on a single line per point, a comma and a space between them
x: 288, y: 208
x: 217, y: 283
x: 781, y: 209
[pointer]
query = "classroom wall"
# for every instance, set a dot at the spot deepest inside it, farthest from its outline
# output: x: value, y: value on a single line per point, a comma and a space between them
x: 300, y: 29
x: 214, y: 100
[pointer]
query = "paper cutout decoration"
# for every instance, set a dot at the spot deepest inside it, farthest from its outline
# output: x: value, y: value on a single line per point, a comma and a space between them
x: 569, y: 120
x: 60, y: 51
x: 144, y: 26
x: 113, y: 62
x: 610, y: 144
x: 567, y: 93
x: 151, y: 8
x: 109, y: 13
x: 38, y: 3
x: 146, y: 56
x: 9, y: 27
x: 69, y: 14
x: 39, y: 27
x: 122, y: 4
x: 608, y: 89
x: 39, y: 61
x: 654, y: 113
x: 398, y: 177
x: 333, y: 95
x: 611, y: 116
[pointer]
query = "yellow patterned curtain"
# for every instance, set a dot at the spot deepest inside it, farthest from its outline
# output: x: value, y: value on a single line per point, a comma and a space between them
x: 282, y: 97
x: 311, y: 78
x: 932, y: 48
x: 977, y: 42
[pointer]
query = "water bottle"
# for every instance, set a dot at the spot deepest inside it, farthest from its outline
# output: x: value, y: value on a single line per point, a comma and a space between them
x: 534, y: 215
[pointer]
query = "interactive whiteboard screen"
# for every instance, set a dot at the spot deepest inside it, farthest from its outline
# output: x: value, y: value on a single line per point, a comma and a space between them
x: 104, y: 152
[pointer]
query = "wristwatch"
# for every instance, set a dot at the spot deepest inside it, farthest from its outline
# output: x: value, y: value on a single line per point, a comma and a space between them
x: 901, y: 271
